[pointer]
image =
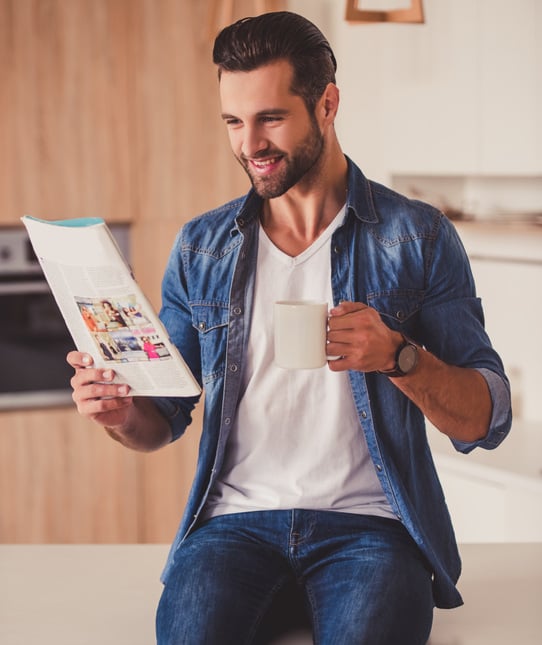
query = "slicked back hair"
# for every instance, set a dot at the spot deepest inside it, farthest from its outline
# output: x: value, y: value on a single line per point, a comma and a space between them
x: 281, y: 35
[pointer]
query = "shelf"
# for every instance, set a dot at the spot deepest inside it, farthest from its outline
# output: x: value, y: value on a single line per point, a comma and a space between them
x: 479, y: 197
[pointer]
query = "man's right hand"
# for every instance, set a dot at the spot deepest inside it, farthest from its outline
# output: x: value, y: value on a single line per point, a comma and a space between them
x: 134, y: 421
x: 95, y: 394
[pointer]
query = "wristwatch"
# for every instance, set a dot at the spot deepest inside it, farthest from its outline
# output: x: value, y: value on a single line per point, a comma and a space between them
x: 406, y: 359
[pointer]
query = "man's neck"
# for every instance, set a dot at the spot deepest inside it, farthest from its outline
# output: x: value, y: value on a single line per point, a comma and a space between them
x: 296, y: 219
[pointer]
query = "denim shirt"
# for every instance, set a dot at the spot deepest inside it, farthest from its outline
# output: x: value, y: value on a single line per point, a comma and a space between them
x: 401, y: 257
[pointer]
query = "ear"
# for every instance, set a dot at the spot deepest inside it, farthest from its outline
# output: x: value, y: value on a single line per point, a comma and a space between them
x: 329, y: 102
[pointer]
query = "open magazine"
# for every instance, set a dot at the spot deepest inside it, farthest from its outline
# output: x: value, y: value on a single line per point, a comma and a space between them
x: 104, y: 309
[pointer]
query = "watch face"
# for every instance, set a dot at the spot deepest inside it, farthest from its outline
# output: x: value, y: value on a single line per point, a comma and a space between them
x: 408, y: 358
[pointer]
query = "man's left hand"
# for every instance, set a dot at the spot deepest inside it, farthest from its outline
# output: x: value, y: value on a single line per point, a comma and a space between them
x: 358, y: 335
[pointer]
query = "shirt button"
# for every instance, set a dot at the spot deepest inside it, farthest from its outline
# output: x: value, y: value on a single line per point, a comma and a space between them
x: 379, y: 468
x: 400, y: 315
x: 237, y: 311
x: 336, y: 249
x: 202, y: 326
x: 233, y: 368
x: 364, y: 415
x: 227, y: 421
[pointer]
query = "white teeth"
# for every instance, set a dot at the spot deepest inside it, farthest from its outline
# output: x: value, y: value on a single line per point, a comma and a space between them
x: 266, y: 162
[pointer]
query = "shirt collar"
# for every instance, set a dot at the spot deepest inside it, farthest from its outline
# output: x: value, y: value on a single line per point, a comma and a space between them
x: 359, y: 198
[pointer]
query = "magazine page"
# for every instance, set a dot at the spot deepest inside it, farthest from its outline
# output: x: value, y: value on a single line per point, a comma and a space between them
x: 104, y: 308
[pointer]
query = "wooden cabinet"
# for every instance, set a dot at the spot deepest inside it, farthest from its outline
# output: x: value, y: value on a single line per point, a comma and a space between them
x: 62, y: 479
x: 506, y: 262
x: 494, y: 495
x: 107, y: 109
x: 488, y: 505
x: 65, y: 110
x: 110, y: 109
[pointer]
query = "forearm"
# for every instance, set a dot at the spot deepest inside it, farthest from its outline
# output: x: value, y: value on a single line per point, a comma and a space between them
x: 144, y: 430
x: 456, y: 400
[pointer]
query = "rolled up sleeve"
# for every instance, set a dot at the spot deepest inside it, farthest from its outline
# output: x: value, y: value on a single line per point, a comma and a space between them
x: 501, y: 416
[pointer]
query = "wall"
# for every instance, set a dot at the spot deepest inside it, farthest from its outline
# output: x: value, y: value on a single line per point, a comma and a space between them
x: 458, y: 94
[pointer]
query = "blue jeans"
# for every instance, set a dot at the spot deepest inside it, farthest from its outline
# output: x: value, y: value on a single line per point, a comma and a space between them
x: 363, y: 580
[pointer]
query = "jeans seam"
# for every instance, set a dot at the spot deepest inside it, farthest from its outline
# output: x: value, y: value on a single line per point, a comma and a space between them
x: 315, y: 624
x: 264, y: 609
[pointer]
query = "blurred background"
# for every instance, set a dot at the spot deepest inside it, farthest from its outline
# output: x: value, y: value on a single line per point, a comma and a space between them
x: 109, y: 108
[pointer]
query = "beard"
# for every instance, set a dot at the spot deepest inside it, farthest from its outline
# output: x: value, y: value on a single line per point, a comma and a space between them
x: 294, y: 167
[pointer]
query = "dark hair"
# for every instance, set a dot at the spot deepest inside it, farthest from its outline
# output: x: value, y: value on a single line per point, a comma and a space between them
x: 252, y: 42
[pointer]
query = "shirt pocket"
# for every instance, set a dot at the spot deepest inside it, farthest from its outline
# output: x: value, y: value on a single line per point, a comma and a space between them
x: 211, y: 322
x: 399, y: 308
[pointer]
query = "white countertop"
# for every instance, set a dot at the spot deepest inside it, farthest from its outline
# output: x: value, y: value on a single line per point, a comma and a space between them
x: 107, y: 595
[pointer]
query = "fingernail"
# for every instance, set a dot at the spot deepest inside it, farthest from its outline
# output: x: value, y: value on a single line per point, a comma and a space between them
x: 108, y: 375
x: 86, y: 359
x: 123, y: 390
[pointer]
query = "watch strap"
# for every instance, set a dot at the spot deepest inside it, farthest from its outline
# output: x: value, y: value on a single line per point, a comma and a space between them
x: 396, y: 370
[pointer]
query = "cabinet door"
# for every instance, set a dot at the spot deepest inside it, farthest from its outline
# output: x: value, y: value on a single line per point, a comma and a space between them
x: 62, y: 479
x: 524, y: 513
x: 488, y: 507
x: 512, y: 301
x: 476, y: 504
x: 64, y: 109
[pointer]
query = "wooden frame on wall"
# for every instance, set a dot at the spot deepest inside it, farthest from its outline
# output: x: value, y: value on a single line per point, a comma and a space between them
x: 413, y: 14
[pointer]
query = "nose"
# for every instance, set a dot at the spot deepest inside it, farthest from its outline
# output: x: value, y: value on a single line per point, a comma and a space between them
x: 253, y: 141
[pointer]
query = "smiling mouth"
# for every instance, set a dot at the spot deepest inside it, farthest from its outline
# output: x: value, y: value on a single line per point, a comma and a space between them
x: 264, y: 166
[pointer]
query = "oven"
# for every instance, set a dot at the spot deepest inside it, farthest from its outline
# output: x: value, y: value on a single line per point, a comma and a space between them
x: 34, y: 339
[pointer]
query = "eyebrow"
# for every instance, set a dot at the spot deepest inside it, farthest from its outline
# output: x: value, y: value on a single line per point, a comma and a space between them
x: 271, y: 111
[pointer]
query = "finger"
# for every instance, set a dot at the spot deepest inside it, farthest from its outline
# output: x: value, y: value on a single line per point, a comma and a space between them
x: 336, y: 348
x: 79, y: 359
x: 86, y: 396
x: 86, y: 376
x: 343, y: 335
x: 339, y: 364
x: 346, y: 307
x: 106, y: 411
x: 354, y: 320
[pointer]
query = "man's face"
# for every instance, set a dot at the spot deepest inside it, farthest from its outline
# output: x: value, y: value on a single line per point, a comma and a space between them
x: 272, y: 135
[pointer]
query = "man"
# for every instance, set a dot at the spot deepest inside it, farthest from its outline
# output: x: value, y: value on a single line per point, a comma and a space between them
x: 318, y: 478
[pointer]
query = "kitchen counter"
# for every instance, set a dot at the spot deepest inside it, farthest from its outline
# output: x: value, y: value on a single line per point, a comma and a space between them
x: 107, y: 595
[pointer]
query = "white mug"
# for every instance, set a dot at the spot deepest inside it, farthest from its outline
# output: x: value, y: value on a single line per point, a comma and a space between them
x: 300, y: 334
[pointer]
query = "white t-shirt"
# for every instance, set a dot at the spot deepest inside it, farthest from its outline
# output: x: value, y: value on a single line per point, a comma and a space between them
x: 296, y: 441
